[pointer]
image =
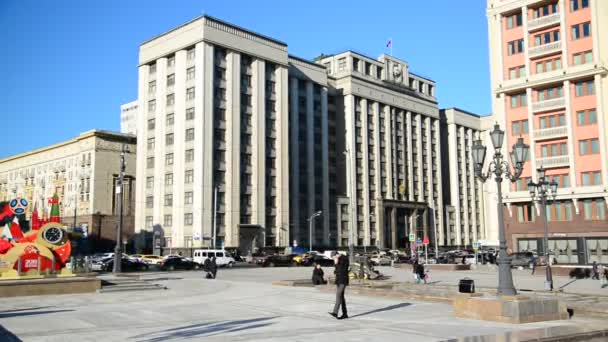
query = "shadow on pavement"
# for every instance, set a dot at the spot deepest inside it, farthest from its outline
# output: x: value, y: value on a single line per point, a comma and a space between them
x: 388, y: 308
x: 7, y: 336
x: 568, y: 283
x: 25, y: 312
x: 204, y: 329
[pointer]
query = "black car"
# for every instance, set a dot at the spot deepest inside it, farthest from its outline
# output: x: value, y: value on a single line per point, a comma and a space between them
x: 178, y: 263
x: 126, y: 265
x: 318, y: 259
x: 279, y: 260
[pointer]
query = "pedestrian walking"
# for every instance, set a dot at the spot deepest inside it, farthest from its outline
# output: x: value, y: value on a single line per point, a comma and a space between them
x: 415, y: 271
x: 533, y: 264
x: 421, y: 276
x: 318, y: 275
x: 342, y: 265
x: 595, y: 273
x: 213, y: 267
x: 207, y: 268
x: 603, y: 275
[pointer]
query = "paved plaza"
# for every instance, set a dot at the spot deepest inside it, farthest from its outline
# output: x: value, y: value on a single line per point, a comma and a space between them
x: 241, y: 305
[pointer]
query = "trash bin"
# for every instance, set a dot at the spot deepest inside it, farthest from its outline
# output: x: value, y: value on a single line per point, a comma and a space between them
x: 466, y: 285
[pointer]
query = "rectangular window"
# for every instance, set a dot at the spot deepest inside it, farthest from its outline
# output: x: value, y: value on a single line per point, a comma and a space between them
x: 150, y: 162
x: 595, y: 146
x: 168, y: 200
x: 515, y: 47
x: 170, y: 80
x: 168, y: 179
x: 588, y: 209
x: 190, y: 74
x: 591, y: 116
x: 168, y: 220
x: 581, y: 30
x: 188, y: 197
x: 150, y: 202
x: 190, y: 94
x: 170, y: 119
x: 515, y: 127
x: 151, y: 124
x: 169, y: 159
x: 149, y: 222
x: 191, y: 54
x: 153, y: 68
x: 582, y: 146
x: 171, y: 61
x: 170, y: 99
x: 169, y: 138
x: 189, y: 155
x: 586, y: 178
x: 189, y: 176
x: 152, y: 106
x: 190, y: 114
x: 580, y: 118
x: 149, y: 182
x: 189, y: 134
x: 597, y: 178
x: 150, y: 144
x: 152, y: 87
x: 187, y: 219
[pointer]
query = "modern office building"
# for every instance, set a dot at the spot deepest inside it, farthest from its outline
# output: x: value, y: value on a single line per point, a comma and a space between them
x: 549, y: 80
x: 128, y: 118
x: 83, y: 172
x: 464, y: 198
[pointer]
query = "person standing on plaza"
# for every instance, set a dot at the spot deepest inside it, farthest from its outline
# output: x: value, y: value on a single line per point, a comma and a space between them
x: 213, y: 267
x: 602, y: 273
x: 420, y: 275
x: 342, y: 266
x: 318, y: 275
x: 595, y: 273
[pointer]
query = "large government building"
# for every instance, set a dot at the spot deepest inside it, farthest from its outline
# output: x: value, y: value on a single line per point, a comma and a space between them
x: 549, y: 81
x: 240, y: 141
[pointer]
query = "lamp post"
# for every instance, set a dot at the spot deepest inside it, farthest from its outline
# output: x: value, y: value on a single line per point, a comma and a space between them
x: 119, y: 192
x: 540, y: 191
x: 311, y: 222
x: 350, y: 191
x: 500, y: 168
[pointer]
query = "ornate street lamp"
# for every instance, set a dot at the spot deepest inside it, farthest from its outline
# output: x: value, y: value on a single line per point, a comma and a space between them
x: 540, y: 191
x: 499, y: 167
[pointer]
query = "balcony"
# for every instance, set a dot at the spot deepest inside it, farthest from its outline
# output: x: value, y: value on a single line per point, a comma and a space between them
x: 556, y: 161
x: 547, y: 105
x: 550, y: 133
x: 546, y: 49
x: 543, y: 22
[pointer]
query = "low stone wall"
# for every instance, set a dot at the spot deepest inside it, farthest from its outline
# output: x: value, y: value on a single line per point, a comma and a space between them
x: 439, y: 267
x: 53, y: 286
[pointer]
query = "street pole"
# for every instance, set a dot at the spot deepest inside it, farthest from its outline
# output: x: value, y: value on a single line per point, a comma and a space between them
x: 119, y: 188
x: 499, y: 168
x: 435, y: 232
x: 214, y: 216
x: 548, y: 275
x: 310, y: 234
x: 75, y: 206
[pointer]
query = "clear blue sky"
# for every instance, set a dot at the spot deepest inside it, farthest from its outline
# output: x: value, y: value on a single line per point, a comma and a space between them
x: 67, y: 65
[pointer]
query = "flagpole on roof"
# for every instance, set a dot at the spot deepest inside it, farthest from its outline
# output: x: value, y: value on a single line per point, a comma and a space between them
x: 391, y: 46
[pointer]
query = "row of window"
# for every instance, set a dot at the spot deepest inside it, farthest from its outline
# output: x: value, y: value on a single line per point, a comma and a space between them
x: 593, y: 209
x: 582, y: 88
x: 578, y: 31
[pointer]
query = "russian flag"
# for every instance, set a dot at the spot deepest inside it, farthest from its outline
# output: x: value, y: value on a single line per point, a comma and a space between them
x: 389, y: 43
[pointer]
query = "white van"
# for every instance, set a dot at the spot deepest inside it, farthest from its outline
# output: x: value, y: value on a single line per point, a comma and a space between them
x: 222, y: 258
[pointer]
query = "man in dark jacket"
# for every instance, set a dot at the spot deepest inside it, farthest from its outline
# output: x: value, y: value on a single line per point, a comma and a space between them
x: 342, y: 266
x: 213, y: 267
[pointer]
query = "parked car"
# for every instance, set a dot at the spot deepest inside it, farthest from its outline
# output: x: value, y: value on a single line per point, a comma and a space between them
x: 301, y: 258
x: 151, y: 259
x: 279, y: 260
x: 318, y: 259
x: 523, y: 259
x: 100, y: 256
x: 380, y: 260
x: 127, y: 265
x: 222, y: 257
x: 178, y: 263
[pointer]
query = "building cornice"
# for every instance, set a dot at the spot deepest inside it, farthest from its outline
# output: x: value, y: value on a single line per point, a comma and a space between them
x: 102, y: 134
x: 553, y: 77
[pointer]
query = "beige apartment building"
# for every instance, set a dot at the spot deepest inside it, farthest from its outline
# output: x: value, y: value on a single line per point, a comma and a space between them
x: 83, y: 172
x: 549, y: 79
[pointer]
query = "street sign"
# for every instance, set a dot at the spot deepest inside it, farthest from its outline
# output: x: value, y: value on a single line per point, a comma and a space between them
x: 419, y: 242
x: 426, y: 240
x: 476, y: 245
x: 412, y: 237
x: 197, y: 236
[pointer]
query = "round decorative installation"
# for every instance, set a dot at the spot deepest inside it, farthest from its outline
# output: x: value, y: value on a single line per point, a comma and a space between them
x: 53, y: 235
x: 18, y: 205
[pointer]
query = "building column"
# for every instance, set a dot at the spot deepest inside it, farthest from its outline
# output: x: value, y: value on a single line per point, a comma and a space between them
x: 204, y: 108
x: 258, y: 200
x: 283, y: 147
x: 365, y: 166
x: 351, y: 173
x: 232, y: 216
x: 571, y: 143
x: 393, y: 228
x: 409, y: 175
x: 388, y: 141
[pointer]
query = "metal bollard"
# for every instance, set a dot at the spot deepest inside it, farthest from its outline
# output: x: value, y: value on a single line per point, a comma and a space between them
x: 53, y: 264
x: 39, y: 263
x: 19, y: 265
